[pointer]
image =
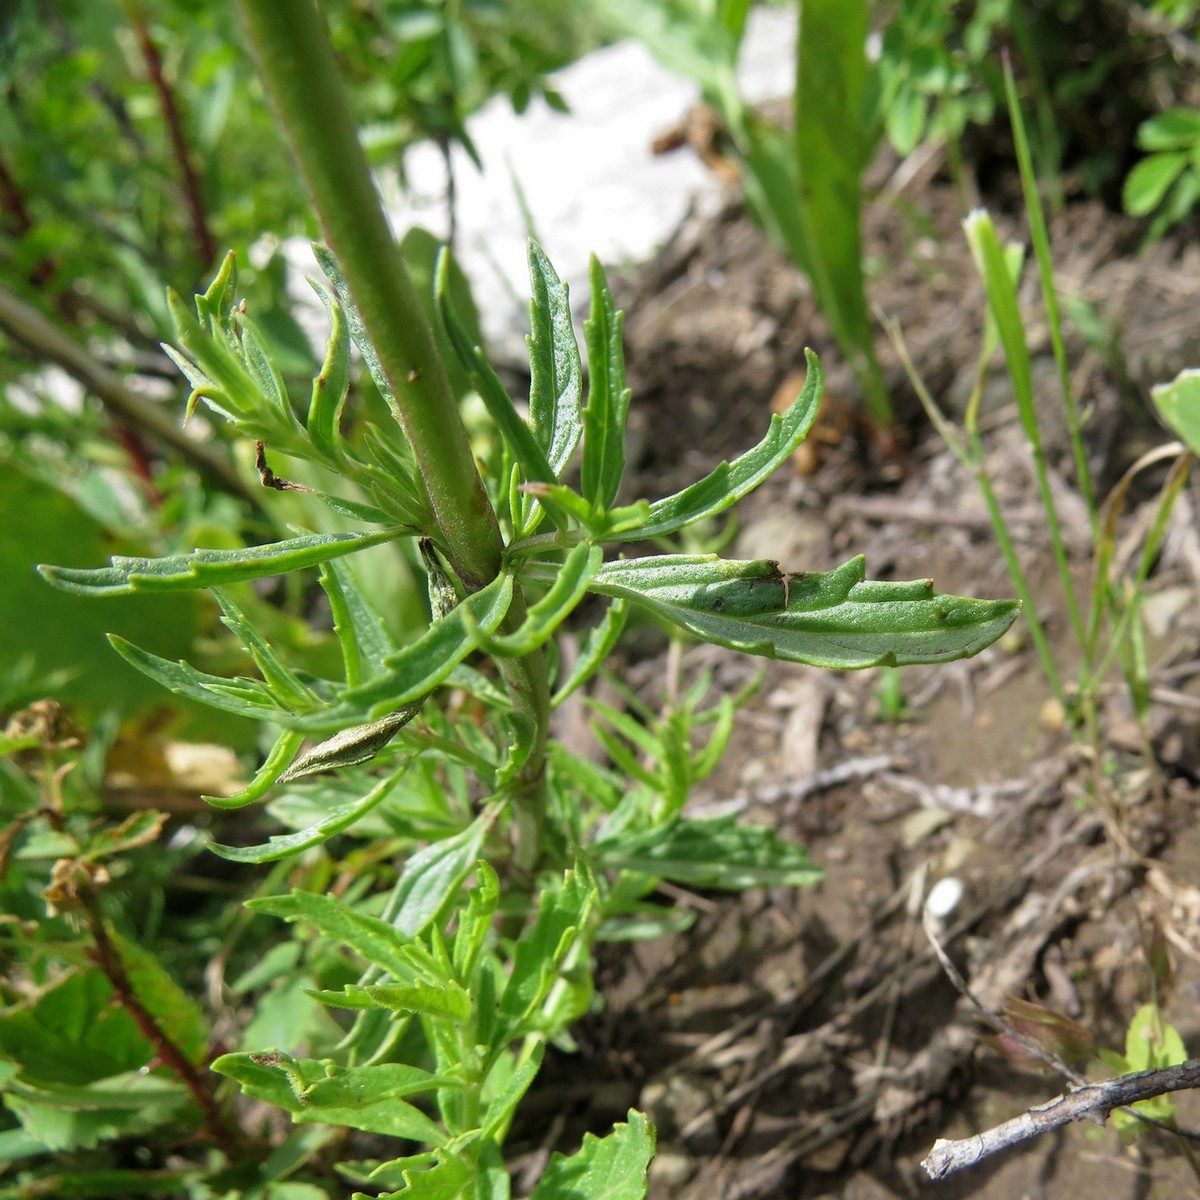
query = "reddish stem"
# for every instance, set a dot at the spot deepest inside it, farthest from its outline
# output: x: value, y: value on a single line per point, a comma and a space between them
x: 105, y: 955
x: 206, y: 246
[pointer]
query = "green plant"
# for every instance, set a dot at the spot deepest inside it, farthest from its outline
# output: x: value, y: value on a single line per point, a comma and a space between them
x: 1151, y: 1043
x: 1167, y: 180
x: 516, y: 855
x: 804, y: 188
x: 1109, y: 630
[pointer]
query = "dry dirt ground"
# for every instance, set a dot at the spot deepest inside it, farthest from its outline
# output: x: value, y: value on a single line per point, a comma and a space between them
x: 809, y: 1043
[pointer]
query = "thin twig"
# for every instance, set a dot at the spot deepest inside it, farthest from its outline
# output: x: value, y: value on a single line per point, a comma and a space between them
x: 1091, y: 1102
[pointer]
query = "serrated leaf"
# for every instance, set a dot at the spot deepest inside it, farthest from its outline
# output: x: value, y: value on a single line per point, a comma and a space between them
x: 281, y: 681
x: 336, y: 821
x: 719, y: 852
x: 827, y: 619
x: 367, y: 1097
x: 608, y: 396
x: 569, y: 588
x: 555, y: 369
x: 729, y: 482
x: 608, y: 1168
x: 446, y: 1002
x: 172, y: 1009
x: 328, y: 263
x: 210, y: 568
x: 475, y: 921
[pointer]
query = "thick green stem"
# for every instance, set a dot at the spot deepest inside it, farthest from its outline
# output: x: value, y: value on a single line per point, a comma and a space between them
x: 296, y: 61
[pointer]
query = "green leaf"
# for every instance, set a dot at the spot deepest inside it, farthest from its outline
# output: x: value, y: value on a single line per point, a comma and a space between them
x: 555, y: 370
x: 358, y: 331
x: 331, y: 384
x: 432, y: 876
x: 517, y: 435
x: 173, y: 1010
x: 501, y: 1107
x: 445, y: 1002
x: 608, y: 396
x: 596, y: 649
x: 729, y: 482
x: 414, y: 671
x: 1147, y: 183
x: 829, y: 619
x: 569, y: 588
x: 334, y: 822
x: 1178, y: 403
x: 719, y: 852
x: 1172, y: 129
x: 377, y: 941
x: 244, y: 697
x: 367, y: 1098
x: 475, y: 921
x: 360, y: 632
x: 563, y: 914
x: 608, y: 1168
x: 281, y: 681
x: 210, y: 568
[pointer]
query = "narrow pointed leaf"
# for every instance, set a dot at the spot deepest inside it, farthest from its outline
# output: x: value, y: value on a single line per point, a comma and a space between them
x: 331, y: 384
x: 243, y: 697
x: 210, y: 568
x: 518, y: 436
x: 360, y: 632
x: 336, y: 821
x: 328, y: 263
x: 596, y: 649
x: 502, y: 1105
x: 729, y: 482
x: 555, y: 369
x: 281, y: 681
x: 608, y: 396
x: 286, y: 747
x: 569, y: 588
x: 414, y: 671
x: 830, y: 619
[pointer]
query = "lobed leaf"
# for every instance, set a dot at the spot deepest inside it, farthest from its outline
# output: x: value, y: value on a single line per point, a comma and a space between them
x: 827, y: 619
x: 210, y: 568
x: 607, y: 1168
x: 729, y: 482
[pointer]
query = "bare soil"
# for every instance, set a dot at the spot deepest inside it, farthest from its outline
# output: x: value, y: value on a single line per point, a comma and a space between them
x: 810, y: 1043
